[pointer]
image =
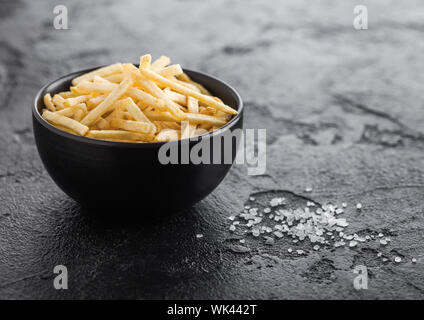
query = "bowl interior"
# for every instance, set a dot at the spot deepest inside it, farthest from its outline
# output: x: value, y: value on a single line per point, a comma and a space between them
x: 217, y: 88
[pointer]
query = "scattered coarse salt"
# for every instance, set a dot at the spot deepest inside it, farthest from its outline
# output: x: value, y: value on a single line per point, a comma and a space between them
x: 242, y: 241
x: 300, y: 252
x: 252, y: 199
x: 289, y: 250
x: 320, y: 224
x: 359, y: 206
x: 398, y: 259
x: 414, y: 260
x: 199, y: 235
x: 379, y: 254
x: 308, y: 189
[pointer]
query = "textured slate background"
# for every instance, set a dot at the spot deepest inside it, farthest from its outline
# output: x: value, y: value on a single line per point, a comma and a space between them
x: 344, y: 113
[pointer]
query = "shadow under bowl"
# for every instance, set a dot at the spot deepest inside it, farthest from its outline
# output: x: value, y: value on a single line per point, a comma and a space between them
x: 128, y: 178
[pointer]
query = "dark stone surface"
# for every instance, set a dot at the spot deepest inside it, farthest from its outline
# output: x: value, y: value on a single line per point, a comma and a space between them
x: 344, y: 113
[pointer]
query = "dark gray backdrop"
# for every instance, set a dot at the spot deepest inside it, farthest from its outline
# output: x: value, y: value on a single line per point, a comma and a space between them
x: 344, y: 114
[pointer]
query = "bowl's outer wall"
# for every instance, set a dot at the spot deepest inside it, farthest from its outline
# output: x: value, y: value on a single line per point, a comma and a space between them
x: 129, y: 175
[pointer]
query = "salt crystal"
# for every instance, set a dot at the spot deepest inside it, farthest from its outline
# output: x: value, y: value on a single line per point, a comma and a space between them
x: 199, y: 235
x: 359, y: 206
x: 414, y: 260
x: 308, y: 189
x: 344, y: 204
x: 267, y: 210
x: 353, y: 243
x: 269, y: 241
x: 383, y: 242
x: 316, y: 247
x: 289, y: 250
x: 252, y: 199
x: 398, y: 259
x: 276, y: 201
x: 299, y: 252
x: 278, y: 234
x: 232, y: 228
x: 242, y: 241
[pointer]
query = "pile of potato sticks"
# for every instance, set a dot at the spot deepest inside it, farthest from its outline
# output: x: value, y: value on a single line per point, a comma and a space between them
x: 155, y: 102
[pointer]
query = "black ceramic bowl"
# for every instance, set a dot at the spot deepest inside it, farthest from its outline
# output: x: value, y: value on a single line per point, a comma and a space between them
x: 111, y: 174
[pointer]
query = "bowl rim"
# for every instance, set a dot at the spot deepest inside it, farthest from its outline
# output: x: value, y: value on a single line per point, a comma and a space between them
x: 98, y: 142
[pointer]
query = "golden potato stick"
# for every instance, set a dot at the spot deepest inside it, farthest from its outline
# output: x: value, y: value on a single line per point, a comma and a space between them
x: 104, y: 106
x: 193, y: 118
x: 167, y: 124
x: 146, y: 98
x: 200, y: 131
x: 66, y: 94
x: 145, y: 61
x: 102, y: 124
x: 192, y: 105
x: 186, y: 91
x: 98, y: 79
x: 117, y: 112
x: 160, y: 63
x: 104, y: 71
x: 158, y: 125
x: 65, y: 122
x: 170, y: 71
x: 48, y: 102
x: 91, y: 103
x: 88, y: 87
x: 208, y: 110
x: 134, y: 110
x: 70, y: 102
x: 115, y: 78
x: 159, y: 115
x: 150, y: 86
x: 81, y: 106
x: 67, y: 112
x: 193, y: 128
x: 167, y: 135
x: 185, y: 130
x: 78, y: 92
x: 135, y: 126
x: 186, y: 84
x: 119, y: 135
x: 197, y: 118
x: 79, y: 113
x: 66, y: 129
x: 59, y: 102
x: 184, y: 77
x: 176, y: 97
